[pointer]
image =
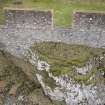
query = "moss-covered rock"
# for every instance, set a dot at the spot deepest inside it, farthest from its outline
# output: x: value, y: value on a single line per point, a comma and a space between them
x: 62, y: 58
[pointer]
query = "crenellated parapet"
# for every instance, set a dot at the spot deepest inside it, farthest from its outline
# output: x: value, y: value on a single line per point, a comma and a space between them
x: 24, y: 27
x: 94, y: 21
x: 29, y: 18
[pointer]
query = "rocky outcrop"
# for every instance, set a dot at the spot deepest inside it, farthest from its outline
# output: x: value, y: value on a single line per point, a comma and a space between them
x: 68, y: 89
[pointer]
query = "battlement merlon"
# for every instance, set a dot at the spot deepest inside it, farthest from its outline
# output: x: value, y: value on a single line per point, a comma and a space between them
x: 29, y: 18
x: 89, y: 20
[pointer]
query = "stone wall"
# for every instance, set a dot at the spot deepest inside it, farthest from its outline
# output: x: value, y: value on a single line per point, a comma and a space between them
x: 18, y: 40
x: 89, y: 21
x: 19, y: 33
x: 28, y: 18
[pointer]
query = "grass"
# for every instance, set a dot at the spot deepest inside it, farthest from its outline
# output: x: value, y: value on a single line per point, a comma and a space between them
x: 63, y: 57
x: 12, y: 74
x: 39, y: 98
x: 85, y: 78
x: 62, y: 9
x: 47, y: 80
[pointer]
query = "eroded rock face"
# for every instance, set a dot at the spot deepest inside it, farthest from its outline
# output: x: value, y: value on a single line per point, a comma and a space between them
x: 67, y: 89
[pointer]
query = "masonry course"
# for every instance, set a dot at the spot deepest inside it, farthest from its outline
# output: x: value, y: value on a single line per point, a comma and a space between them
x: 17, y: 37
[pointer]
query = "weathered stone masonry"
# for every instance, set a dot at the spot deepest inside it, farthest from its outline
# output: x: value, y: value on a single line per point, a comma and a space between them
x: 24, y: 28
x: 28, y: 19
x: 89, y: 21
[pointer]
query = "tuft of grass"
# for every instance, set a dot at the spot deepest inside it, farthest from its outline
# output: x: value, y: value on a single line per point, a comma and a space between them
x: 63, y: 57
x: 61, y: 53
x: 85, y: 78
x: 47, y: 80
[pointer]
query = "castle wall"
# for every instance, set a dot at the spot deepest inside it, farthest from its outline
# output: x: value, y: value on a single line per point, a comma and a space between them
x: 17, y: 37
x: 18, y: 40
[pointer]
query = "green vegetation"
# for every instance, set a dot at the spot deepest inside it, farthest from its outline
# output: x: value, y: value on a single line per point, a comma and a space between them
x: 85, y: 78
x: 12, y: 73
x: 39, y: 98
x: 17, y: 78
x: 62, y: 9
x: 47, y: 80
x: 63, y: 57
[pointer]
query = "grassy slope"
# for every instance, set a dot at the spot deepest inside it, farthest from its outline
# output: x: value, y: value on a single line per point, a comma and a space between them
x: 12, y: 72
x: 18, y: 74
x: 62, y: 57
x: 63, y: 9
